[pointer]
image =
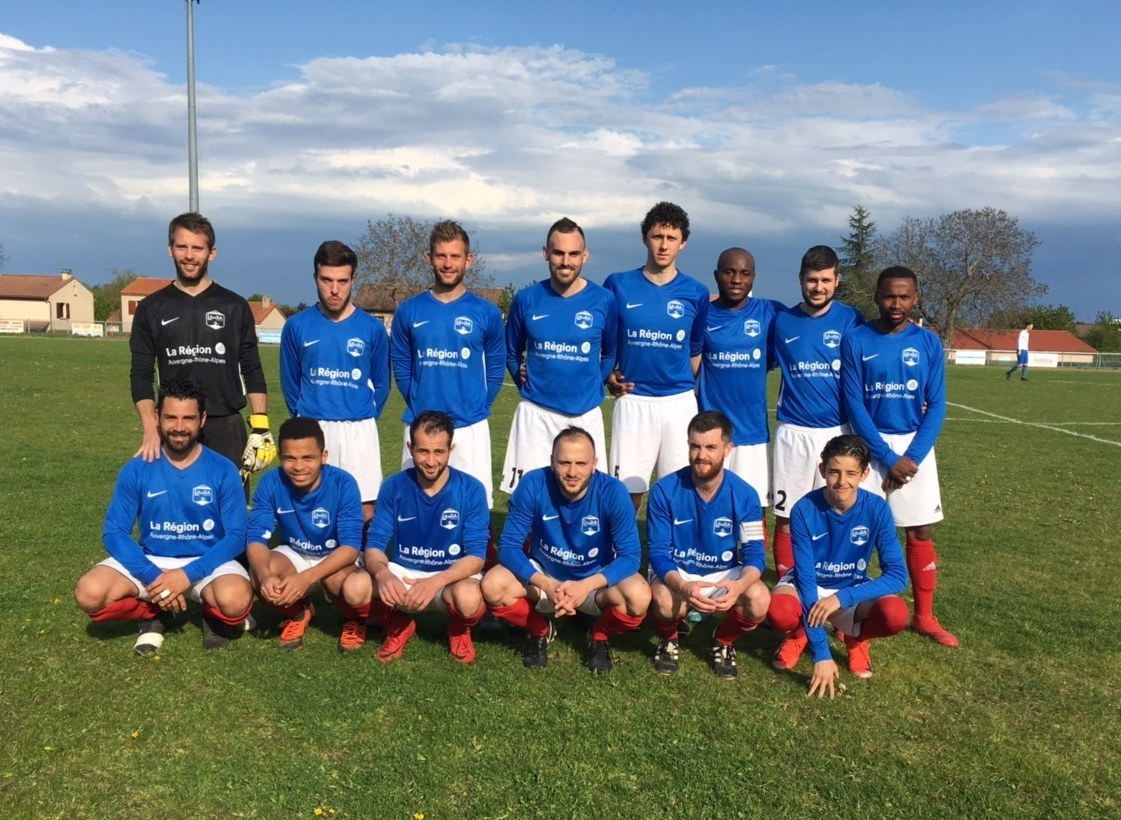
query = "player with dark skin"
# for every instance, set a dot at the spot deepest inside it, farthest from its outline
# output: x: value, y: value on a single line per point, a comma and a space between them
x: 735, y: 277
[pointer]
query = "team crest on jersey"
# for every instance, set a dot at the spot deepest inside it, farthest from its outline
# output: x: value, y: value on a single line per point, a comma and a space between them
x: 589, y: 525
x: 320, y: 517
x: 463, y: 325
x: 215, y: 319
x: 202, y: 495
x: 910, y: 357
x: 722, y: 527
x: 859, y: 536
x: 831, y: 338
x: 355, y: 347
x: 675, y: 308
x: 449, y: 519
x: 752, y: 328
x: 583, y: 320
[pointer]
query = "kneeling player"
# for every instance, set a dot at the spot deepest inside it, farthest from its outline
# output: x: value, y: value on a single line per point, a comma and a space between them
x: 318, y: 510
x: 834, y: 530
x: 704, y: 531
x: 584, y: 554
x: 190, y: 508
x: 436, y: 516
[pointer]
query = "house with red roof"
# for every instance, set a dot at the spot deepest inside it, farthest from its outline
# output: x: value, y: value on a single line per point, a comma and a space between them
x: 1048, y: 348
x: 38, y: 303
x: 266, y: 315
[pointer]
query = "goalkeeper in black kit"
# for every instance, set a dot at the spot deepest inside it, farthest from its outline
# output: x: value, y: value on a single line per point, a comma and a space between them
x: 196, y: 329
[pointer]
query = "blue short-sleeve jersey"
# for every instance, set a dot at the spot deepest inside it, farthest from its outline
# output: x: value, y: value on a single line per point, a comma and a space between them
x: 807, y: 351
x: 314, y: 523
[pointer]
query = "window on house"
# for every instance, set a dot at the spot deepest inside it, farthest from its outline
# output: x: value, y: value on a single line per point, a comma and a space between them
x: 62, y: 310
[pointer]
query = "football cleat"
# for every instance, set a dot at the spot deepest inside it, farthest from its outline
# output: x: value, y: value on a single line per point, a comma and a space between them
x: 353, y: 636
x: 930, y: 627
x: 666, y: 657
x: 789, y: 651
x: 292, y: 629
x: 535, y: 651
x: 860, y: 658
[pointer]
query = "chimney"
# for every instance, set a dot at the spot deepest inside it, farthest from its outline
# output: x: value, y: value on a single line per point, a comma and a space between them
x: 66, y: 274
x: 265, y: 300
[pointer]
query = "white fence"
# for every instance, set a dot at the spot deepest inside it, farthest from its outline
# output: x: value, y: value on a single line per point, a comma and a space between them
x: 1040, y: 358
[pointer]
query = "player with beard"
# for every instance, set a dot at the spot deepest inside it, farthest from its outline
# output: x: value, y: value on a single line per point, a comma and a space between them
x: 560, y: 347
x: 704, y: 528
x: 190, y: 512
x: 583, y: 557
x: 334, y: 367
x: 893, y: 382
x: 196, y: 329
x: 448, y: 352
x: 807, y: 351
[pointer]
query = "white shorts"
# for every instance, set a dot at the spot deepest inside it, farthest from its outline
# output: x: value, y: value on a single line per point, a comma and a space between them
x: 438, y: 604
x: 916, y: 503
x: 471, y: 454
x: 299, y: 561
x: 797, y: 458
x: 163, y: 562
x: 843, y: 620
x: 531, y: 439
x: 648, y: 433
x: 354, y: 446
x: 749, y: 462
x: 714, y: 578
x: 545, y: 606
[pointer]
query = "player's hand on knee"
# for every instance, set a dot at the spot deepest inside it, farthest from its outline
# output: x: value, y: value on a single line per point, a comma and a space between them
x: 421, y: 593
x: 824, y: 607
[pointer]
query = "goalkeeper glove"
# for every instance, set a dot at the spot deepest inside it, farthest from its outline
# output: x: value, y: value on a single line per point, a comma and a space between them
x: 261, y: 449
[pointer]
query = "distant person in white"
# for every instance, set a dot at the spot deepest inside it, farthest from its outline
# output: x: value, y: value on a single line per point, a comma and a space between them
x: 1021, y: 354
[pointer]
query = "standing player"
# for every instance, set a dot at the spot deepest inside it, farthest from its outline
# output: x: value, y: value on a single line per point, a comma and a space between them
x: 807, y: 350
x: 317, y: 510
x: 436, y: 518
x: 661, y: 331
x: 448, y: 351
x: 190, y: 511
x: 334, y: 367
x: 196, y: 329
x: 560, y: 348
x: 734, y: 366
x: 704, y: 528
x: 1021, y: 354
x: 583, y: 557
x: 894, y: 385
x: 836, y: 528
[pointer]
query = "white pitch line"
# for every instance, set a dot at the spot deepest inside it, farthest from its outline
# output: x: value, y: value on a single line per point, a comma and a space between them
x: 1057, y: 423
x: 1035, y: 424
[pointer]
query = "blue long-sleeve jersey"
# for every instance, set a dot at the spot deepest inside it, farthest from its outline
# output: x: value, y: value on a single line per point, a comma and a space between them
x: 571, y: 540
x: 734, y: 364
x: 685, y: 532
x: 894, y: 383
x: 807, y: 351
x: 832, y: 550
x: 314, y: 523
x: 448, y: 356
x: 197, y: 512
x: 426, y: 532
x: 334, y: 371
x: 660, y: 328
x: 568, y: 345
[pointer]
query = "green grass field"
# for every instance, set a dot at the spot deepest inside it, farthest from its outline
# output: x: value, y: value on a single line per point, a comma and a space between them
x: 1023, y: 720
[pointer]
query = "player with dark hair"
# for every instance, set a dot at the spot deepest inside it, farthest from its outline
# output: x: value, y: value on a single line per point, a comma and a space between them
x: 189, y: 508
x: 560, y: 347
x: 704, y: 528
x: 196, y: 329
x: 334, y: 367
x: 317, y: 511
x: 807, y: 351
x: 661, y: 332
x: 436, y: 519
x: 448, y: 352
x: 583, y: 557
x: 894, y: 386
x: 1022, y: 342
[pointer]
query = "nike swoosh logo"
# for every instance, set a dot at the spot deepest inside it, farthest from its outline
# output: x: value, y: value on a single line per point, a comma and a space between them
x: 869, y: 358
x: 401, y: 520
x: 168, y: 321
x: 312, y: 342
x: 791, y: 339
x: 678, y: 523
x: 419, y: 324
x: 716, y: 327
x: 154, y: 495
x: 636, y: 304
x: 535, y: 317
x: 818, y: 537
x: 279, y: 511
x: 549, y: 517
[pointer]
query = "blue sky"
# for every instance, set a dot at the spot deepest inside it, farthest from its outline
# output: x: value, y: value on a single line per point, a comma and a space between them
x: 766, y: 123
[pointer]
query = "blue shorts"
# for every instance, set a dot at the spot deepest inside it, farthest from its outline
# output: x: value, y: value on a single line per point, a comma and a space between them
x: 1022, y: 358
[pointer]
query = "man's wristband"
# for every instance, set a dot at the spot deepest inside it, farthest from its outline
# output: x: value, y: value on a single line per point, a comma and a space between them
x: 259, y: 422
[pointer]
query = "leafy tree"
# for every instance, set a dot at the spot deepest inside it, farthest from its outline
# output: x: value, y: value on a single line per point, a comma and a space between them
x: 1044, y: 317
x: 858, y: 263
x: 3, y: 258
x: 506, y: 298
x: 292, y: 310
x: 972, y: 265
x: 107, y: 297
x: 1105, y: 335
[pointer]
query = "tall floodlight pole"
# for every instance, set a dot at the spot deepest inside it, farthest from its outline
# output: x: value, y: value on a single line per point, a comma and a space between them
x: 192, y: 134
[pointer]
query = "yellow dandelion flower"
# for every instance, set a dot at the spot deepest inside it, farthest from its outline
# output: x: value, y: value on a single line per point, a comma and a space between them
x: 318, y: 811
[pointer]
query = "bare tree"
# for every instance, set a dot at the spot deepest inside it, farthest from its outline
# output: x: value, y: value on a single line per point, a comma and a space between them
x: 972, y: 265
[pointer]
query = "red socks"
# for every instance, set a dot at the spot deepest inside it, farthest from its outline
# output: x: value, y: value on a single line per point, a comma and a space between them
x: 291, y: 610
x: 667, y: 630
x: 784, y: 553
x: 888, y: 616
x: 458, y: 623
x: 922, y: 563
x: 355, y: 613
x: 523, y: 616
x: 215, y: 613
x: 126, y: 609
x: 785, y: 613
x: 614, y: 621
x: 734, y: 627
